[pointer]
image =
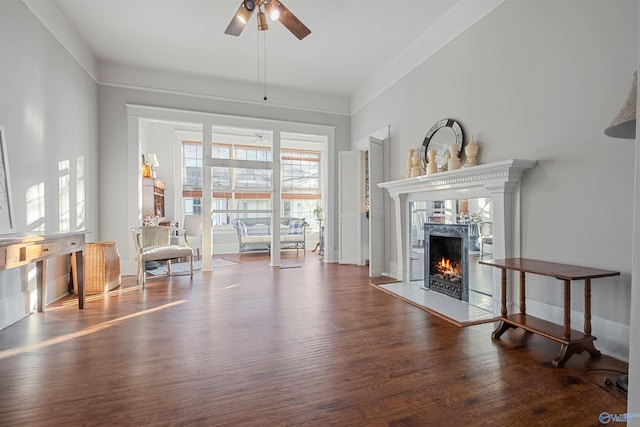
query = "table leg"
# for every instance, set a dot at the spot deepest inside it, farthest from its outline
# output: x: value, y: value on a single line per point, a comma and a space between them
x: 568, y: 350
x: 503, y: 285
x: 567, y: 309
x: 501, y: 329
x: 587, y: 307
x: 77, y: 261
x: 502, y: 325
x: 41, y: 287
x: 563, y: 356
x: 523, y: 306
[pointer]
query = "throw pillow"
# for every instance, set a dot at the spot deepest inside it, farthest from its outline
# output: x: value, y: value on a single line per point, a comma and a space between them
x: 243, y: 228
x: 296, y: 226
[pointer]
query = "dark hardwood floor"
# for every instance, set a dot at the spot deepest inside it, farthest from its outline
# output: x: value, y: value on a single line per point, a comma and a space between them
x: 252, y: 345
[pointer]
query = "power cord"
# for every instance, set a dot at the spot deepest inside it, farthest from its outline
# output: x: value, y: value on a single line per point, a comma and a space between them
x: 611, y: 383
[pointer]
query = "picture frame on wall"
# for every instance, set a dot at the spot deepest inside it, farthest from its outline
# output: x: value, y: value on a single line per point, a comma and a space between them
x: 7, y: 221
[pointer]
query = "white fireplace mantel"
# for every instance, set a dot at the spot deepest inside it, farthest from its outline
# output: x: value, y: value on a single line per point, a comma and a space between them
x: 499, y: 181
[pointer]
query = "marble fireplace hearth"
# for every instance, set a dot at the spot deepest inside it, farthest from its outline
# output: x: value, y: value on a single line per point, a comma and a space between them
x: 498, y: 181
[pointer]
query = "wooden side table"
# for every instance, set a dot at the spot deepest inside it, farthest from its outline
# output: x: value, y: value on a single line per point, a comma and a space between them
x: 21, y: 249
x: 572, y: 342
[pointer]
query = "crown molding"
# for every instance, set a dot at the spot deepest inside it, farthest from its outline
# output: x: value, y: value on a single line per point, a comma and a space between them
x: 58, y: 25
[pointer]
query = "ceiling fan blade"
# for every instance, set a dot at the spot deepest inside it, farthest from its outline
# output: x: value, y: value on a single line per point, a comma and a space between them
x: 239, y: 21
x: 289, y: 20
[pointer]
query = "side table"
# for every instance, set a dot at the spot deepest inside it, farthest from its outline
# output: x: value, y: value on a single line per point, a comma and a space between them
x: 572, y: 342
x: 320, y: 245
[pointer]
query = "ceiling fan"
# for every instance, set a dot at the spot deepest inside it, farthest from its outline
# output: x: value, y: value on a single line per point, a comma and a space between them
x: 276, y: 11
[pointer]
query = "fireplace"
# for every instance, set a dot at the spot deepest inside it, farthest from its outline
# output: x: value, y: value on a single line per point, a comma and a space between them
x: 499, y: 181
x: 446, y: 258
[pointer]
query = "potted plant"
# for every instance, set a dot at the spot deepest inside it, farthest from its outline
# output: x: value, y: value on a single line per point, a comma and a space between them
x: 317, y: 212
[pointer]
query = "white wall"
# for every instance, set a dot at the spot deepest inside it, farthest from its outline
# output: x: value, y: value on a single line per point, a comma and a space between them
x: 48, y: 106
x: 540, y: 80
x: 633, y: 401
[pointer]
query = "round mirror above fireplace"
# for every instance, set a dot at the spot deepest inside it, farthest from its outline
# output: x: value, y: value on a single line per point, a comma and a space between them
x: 440, y: 138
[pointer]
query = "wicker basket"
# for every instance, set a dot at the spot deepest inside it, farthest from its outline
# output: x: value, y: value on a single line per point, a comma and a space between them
x: 101, y: 267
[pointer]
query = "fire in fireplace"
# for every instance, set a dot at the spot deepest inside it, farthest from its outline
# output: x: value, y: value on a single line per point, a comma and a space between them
x: 446, y: 259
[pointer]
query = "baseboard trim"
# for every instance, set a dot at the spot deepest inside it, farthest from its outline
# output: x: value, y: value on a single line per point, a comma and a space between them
x: 612, y: 337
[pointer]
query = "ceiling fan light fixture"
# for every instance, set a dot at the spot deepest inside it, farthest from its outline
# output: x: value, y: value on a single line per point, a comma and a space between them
x: 249, y: 4
x: 273, y: 10
x: 262, y: 21
x: 243, y: 15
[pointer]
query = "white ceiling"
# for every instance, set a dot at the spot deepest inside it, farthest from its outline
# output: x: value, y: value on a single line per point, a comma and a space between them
x: 350, y: 40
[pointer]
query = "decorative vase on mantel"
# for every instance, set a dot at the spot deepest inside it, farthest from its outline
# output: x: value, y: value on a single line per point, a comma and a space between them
x: 416, y: 170
x: 410, y: 162
x: 471, y: 151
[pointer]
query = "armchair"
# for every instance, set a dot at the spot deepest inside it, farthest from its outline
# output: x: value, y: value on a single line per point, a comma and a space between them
x: 154, y: 243
x: 193, y: 227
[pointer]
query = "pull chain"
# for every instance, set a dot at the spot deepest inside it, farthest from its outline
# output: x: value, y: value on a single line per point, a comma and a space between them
x: 264, y: 60
x: 265, y: 66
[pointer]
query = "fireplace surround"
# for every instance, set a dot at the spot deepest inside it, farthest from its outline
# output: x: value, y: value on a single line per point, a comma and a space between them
x: 499, y: 181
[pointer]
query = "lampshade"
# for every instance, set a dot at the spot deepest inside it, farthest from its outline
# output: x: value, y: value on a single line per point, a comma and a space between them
x: 153, y: 160
x: 624, y: 124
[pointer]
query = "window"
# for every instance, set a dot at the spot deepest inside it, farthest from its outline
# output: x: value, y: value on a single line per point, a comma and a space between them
x: 250, y: 189
x: 192, y: 171
x: 301, y: 191
x: 221, y: 177
x: 192, y: 206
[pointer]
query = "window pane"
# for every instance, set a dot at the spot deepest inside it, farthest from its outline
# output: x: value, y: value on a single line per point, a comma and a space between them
x: 192, y: 172
x: 250, y: 204
x: 301, y: 172
x: 220, y: 151
x: 300, y: 209
x: 253, y: 179
x: 192, y: 206
x: 221, y: 178
x: 255, y: 154
x: 220, y: 218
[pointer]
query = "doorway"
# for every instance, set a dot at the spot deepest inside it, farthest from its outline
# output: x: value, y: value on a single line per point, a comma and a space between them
x: 252, y: 179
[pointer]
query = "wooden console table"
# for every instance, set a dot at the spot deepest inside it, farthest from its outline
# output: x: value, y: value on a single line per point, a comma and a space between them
x: 22, y: 249
x: 572, y: 342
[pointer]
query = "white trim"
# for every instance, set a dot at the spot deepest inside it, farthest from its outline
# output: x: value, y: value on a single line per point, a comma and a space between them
x: 462, y: 181
x: 217, y: 88
x: 456, y: 21
x: 363, y: 143
x: 172, y: 114
x: 612, y: 338
x: 270, y: 103
x: 136, y: 112
x: 500, y: 181
x: 233, y: 163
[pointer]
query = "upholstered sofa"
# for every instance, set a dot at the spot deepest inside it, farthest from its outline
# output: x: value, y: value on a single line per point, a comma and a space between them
x: 254, y: 234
